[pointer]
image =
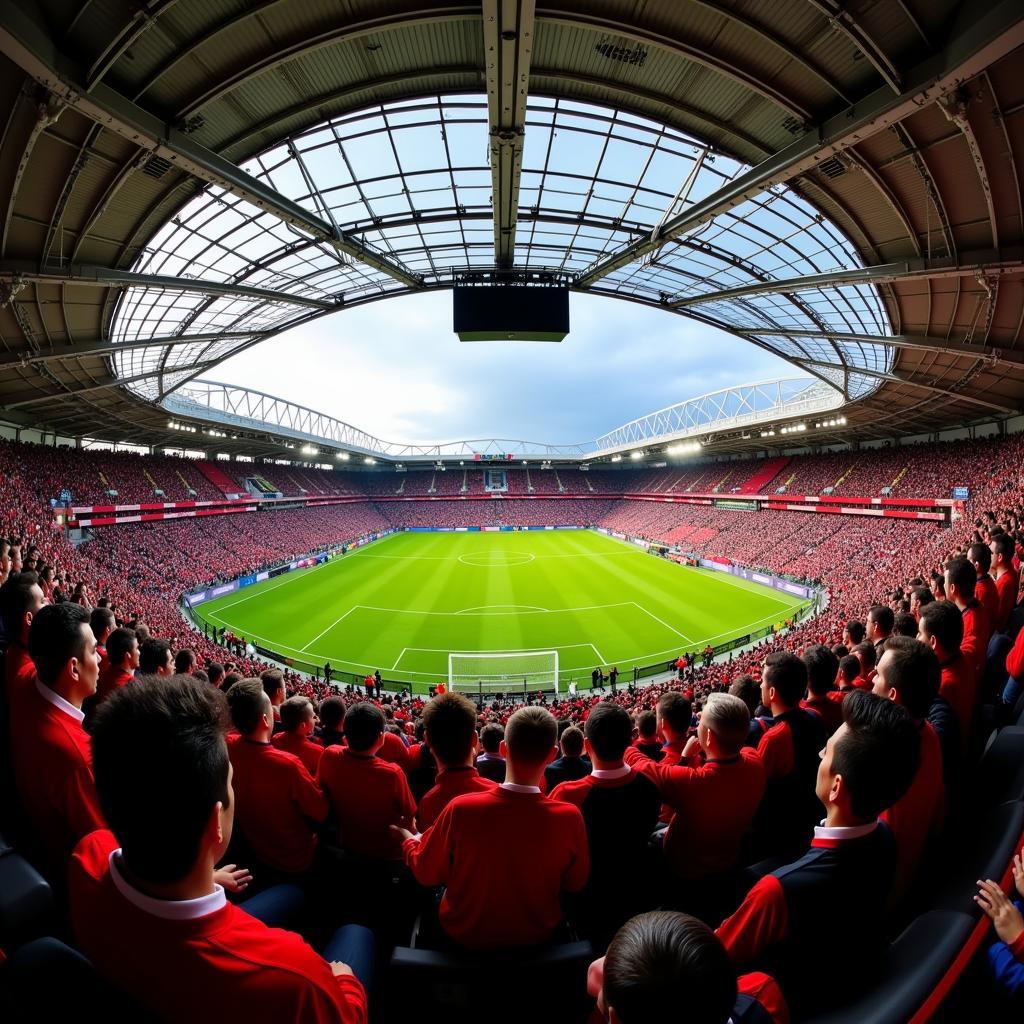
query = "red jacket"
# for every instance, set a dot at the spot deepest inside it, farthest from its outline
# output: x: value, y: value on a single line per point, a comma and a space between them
x: 223, y: 966
x: 977, y: 632
x: 987, y: 593
x: 505, y: 858
x: 1015, y: 659
x: 1007, y: 586
x: 451, y: 782
x: 275, y: 801
x: 307, y: 751
x: 53, y: 771
x: 959, y: 685
x: 830, y: 708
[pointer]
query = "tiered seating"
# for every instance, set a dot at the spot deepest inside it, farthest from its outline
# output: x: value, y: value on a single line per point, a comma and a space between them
x: 765, y: 471
x: 216, y: 474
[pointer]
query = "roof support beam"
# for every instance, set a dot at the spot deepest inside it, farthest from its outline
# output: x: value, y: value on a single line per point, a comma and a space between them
x: 984, y: 34
x: 896, y: 377
x: 25, y: 40
x: 918, y: 342
x: 966, y: 265
x: 110, y: 277
x: 508, y: 44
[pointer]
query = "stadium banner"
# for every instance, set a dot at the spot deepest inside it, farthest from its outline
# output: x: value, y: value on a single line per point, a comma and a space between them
x: 246, y: 581
x: 495, y: 529
x: 261, y: 576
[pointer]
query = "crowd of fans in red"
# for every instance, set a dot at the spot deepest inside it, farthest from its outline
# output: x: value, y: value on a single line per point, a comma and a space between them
x: 501, y: 825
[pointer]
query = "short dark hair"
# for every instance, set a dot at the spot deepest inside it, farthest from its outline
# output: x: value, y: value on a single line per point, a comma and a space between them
x: 914, y: 671
x: 663, y: 959
x: 850, y: 667
x: 16, y: 599
x: 100, y: 620
x: 879, y: 754
x: 943, y: 620
x: 869, y: 656
x: 571, y: 740
x: 883, y: 616
x: 215, y: 670
x: 55, y: 637
x: 924, y: 596
x: 449, y: 722
x: 332, y: 713
x: 364, y: 725
x: 160, y: 764
x: 272, y: 680
x: 1004, y: 545
x: 747, y: 688
x: 293, y: 712
x: 119, y: 643
x: 982, y: 554
x: 822, y: 668
x: 904, y: 625
x: 962, y: 575
x: 675, y: 709
x: 184, y: 661
x: 247, y: 703
x: 530, y: 735
x: 609, y: 731
x: 491, y: 736
x: 153, y: 655
x: 856, y: 630
x: 788, y: 675
x: 647, y: 724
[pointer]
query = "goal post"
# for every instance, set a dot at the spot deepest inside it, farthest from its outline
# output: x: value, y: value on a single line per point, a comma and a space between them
x: 488, y: 672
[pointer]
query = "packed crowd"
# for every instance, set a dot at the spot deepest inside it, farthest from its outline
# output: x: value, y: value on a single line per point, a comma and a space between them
x: 178, y: 781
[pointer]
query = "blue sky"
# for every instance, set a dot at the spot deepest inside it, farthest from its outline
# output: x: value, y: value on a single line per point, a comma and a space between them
x: 395, y: 369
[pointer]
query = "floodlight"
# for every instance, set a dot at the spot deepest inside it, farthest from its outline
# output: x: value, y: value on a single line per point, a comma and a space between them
x: 637, y: 454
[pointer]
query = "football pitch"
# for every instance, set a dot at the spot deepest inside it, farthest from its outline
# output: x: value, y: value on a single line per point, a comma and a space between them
x: 403, y: 603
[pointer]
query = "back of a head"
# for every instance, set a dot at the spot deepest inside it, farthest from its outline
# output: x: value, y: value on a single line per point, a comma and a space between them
x: 153, y: 655
x: 822, y: 668
x: 184, y: 662
x: 904, y: 625
x: 101, y: 620
x: 878, y: 755
x: 530, y: 735
x: 923, y: 596
x: 664, y: 962
x: 571, y: 740
x: 295, y: 712
x: 882, y: 616
x: 273, y: 682
x: 215, y: 672
x: 609, y: 731
x: 647, y: 725
x: 981, y: 554
x: 16, y: 598
x: 850, y: 667
x: 866, y: 654
x: 1003, y: 545
x: 788, y: 675
x: 160, y: 764
x: 55, y: 637
x: 248, y: 704
x: 962, y: 575
x: 856, y: 630
x: 449, y: 722
x: 913, y: 670
x: 676, y: 710
x: 491, y: 736
x: 332, y: 713
x: 119, y: 644
x: 364, y: 726
x: 943, y: 621
x: 729, y: 719
x: 748, y: 690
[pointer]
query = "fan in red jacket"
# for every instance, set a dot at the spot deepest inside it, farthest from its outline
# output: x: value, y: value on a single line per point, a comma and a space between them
x: 147, y: 906
x: 505, y: 856
x: 21, y: 598
x: 366, y: 794
x: 449, y: 729
x: 941, y: 627
x: 1007, y: 578
x: 908, y: 673
x: 277, y: 800
x: 985, y: 589
x: 664, y: 963
x: 675, y: 717
x: 961, y: 580
x: 298, y: 720
x: 822, y: 672
x: 122, y: 661
x: 845, y: 876
x: 49, y: 748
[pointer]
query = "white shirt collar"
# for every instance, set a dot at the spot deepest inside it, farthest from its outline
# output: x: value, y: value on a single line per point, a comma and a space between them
x: 169, y: 910
x: 515, y: 787
x: 611, y: 773
x: 845, y: 831
x: 58, y: 701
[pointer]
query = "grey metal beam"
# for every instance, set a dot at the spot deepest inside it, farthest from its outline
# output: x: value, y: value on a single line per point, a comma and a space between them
x: 26, y: 41
x: 508, y: 44
x: 896, y: 377
x: 965, y: 265
x: 913, y: 342
x: 104, y: 347
x: 110, y: 277
x: 984, y: 34
x: 113, y: 382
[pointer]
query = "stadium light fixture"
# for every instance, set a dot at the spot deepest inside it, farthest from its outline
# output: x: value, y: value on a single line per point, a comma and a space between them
x: 616, y: 458
x: 308, y: 449
x: 342, y: 456
x: 369, y: 461
x: 638, y: 454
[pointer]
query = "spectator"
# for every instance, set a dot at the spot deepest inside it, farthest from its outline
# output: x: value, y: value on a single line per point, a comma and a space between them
x: 21, y: 599
x: 298, y: 725
x: 332, y: 722
x: 1007, y: 579
x: 490, y: 764
x: 571, y: 765
x: 942, y: 629
x: 184, y: 662
x: 146, y: 901
x: 822, y: 670
x: 879, y: 628
x: 647, y: 736
x: 1006, y: 955
x: 675, y: 718
x: 155, y: 658
x: 482, y: 843
x: 960, y: 586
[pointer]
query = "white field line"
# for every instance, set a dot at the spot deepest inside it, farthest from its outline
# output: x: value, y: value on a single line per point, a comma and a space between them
x: 725, y: 578
x: 500, y: 609
x: 398, y: 659
x: 470, y: 611
x: 507, y: 650
x: 330, y: 627
x: 662, y: 621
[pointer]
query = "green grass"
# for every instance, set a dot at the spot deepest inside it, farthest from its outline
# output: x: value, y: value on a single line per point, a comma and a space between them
x: 403, y: 603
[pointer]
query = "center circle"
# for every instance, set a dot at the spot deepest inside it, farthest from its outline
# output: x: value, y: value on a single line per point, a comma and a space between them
x: 492, y: 559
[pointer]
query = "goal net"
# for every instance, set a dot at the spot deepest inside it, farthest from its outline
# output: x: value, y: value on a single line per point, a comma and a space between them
x: 503, y: 672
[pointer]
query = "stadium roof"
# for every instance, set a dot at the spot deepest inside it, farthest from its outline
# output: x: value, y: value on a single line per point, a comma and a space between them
x: 836, y: 182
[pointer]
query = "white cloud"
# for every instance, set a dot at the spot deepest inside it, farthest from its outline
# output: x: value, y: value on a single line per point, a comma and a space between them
x: 395, y: 369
